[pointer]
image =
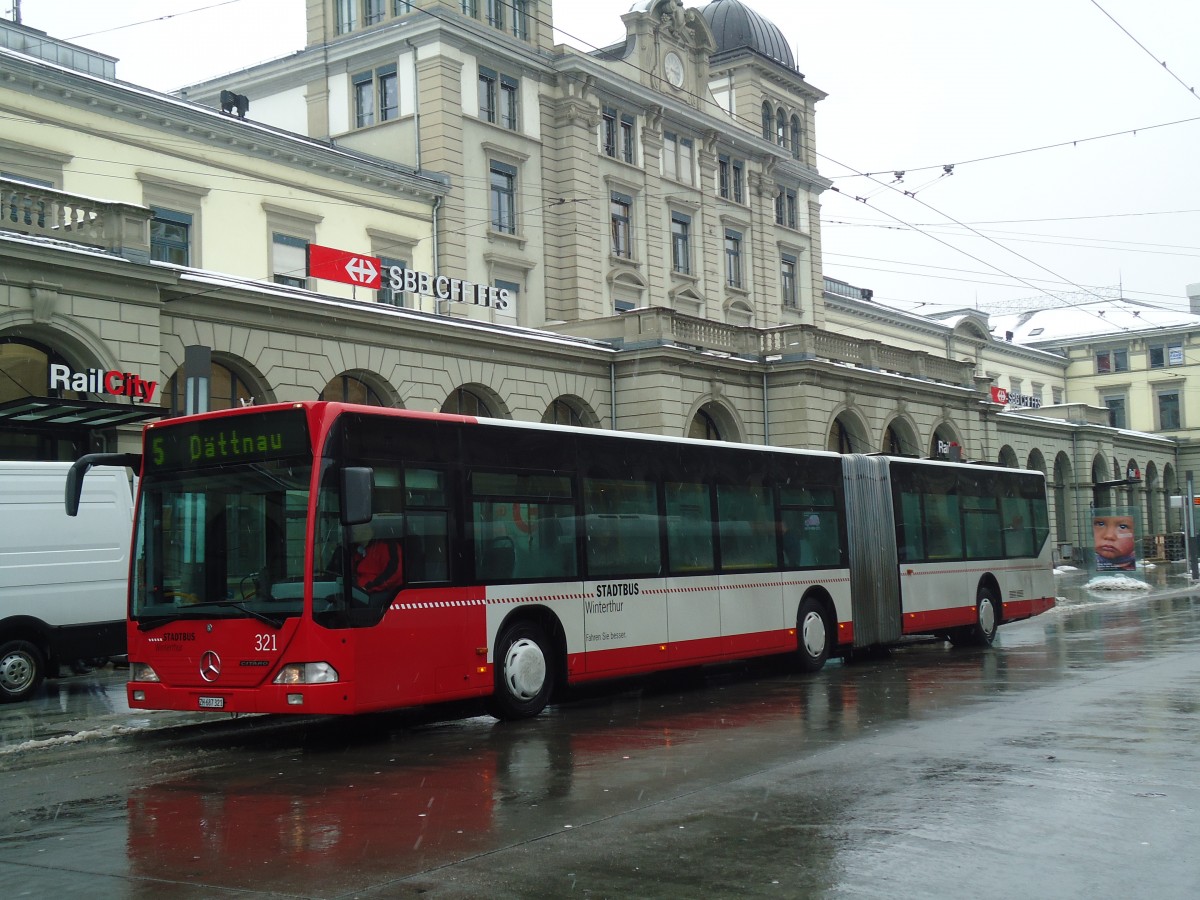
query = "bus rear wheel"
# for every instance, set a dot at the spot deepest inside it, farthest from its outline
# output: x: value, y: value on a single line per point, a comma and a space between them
x: 22, y: 668
x: 524, y: 672
x: 813, y: 633
x: 987, y: 620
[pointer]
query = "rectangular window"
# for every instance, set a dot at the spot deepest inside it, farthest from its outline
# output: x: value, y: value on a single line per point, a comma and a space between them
x: 608, y: 133
x: 747, y: 528
x: 401, y: 7
x: 170, y: 236
x: 520, y: 19
x: 1163, y: 355
x: 621, y: 210
x: 677, y: 158
x: 364, y: 99
x: 982, y: 528
x: 627, y: 151
x: 386, y: 294
x: 389, y: 94
x: 733, y: 258
x: 811, y: 527
x: 787, y: 281
x: 289, y: 260
x: 731, y: 178
x: 1112, y: 361
x: 1056, y: 394
x: 617, y: 134
x: 689, y: 528
x: 505, y: 508
x: 372, y: 11
x: 487, y: 94
x: 470, y: 8
x: 509, y: 90
x: 681, y: 243
x: 347, y: 13
x: 504, y: 197
x: 1116, y: 412
x: 786, y: 210
x: 621, y: 528
x: 495, y: 13
x: 1169, y: 411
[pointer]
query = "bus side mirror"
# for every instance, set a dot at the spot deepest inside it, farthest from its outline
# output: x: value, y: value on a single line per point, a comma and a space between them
x: 358, y: 483
x: 80, y: 468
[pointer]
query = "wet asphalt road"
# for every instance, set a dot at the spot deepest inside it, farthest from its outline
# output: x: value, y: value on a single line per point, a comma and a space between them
x: 1061, y: 763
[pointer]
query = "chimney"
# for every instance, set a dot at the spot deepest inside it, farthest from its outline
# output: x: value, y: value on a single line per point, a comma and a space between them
x: 1194, y: 298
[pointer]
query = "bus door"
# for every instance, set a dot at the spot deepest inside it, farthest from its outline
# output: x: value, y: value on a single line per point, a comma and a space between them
x: 871, y: 540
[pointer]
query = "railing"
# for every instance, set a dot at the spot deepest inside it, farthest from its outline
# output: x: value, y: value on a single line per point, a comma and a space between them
x: 659, y: 326
x: 33, y: 209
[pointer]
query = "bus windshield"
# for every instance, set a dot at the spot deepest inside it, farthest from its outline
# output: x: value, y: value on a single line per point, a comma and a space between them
x: 224, y: 541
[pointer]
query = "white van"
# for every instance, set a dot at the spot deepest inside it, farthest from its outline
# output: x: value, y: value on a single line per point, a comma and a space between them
x: 63, y: 580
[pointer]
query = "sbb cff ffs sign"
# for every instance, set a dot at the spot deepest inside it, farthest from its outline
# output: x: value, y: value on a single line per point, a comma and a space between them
x: 338, y: 265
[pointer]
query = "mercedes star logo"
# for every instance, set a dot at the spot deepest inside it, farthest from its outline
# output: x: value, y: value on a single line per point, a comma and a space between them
x: 210, y: 666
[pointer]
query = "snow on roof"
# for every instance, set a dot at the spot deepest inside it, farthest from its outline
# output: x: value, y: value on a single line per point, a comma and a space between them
x: 1098, y: 318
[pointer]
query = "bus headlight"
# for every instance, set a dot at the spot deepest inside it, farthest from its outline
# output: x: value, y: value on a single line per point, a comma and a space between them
x: 142, y: 672
x: 307, y: 673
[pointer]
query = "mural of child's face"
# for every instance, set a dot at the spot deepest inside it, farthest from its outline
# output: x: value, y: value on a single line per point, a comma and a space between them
x: 1113, y: 536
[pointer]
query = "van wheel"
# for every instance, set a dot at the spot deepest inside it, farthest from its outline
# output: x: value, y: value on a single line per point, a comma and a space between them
x: 22, y: 668
x: 524, y: 672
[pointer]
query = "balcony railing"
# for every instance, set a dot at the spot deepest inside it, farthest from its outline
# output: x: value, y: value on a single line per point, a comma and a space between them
x: 33, y: 209
x: 659, y: 326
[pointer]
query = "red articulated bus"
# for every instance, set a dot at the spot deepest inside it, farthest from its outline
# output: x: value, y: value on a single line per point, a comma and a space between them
x: 330, y: 558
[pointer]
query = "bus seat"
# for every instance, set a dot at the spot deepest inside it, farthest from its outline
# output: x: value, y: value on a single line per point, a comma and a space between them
x: 500, y: 558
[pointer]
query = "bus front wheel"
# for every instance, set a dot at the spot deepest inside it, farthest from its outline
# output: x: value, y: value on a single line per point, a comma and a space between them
x: 22, y: 669
x: 524, y: 672
x: 814, y: 635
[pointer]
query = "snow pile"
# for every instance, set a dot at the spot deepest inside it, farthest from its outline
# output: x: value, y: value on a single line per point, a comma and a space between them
x: 1116, y: 583
x: 1062, y: 570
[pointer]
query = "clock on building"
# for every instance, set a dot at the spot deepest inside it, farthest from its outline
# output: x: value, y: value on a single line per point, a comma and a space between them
x: 673, y: 69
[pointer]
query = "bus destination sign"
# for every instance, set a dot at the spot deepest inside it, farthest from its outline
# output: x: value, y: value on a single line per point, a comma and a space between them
x: 249, y: 438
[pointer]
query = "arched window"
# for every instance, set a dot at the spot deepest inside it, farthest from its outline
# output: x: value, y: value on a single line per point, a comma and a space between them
x: 25, y: 370
x: 226, y: 390
x: 704, y: 427
x: 781, y: 127
x: 796, y: 137
x: 891, y: 442
x: 768, y: 119
x: 839, y: 438
x: 348, y: 389
x: 560, y: 412
x: 464, y: 402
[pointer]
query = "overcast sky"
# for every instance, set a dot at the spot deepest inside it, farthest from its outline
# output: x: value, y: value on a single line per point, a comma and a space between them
x: 914, y: 85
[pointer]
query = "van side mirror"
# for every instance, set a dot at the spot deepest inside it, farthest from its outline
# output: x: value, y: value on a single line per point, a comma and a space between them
x: 358, y: 484
x: 81, y: 466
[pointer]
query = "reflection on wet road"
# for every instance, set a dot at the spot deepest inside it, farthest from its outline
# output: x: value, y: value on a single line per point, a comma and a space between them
x: 930, y: 772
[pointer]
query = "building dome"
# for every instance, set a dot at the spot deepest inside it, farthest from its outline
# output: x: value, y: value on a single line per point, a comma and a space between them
x: 735, y: 26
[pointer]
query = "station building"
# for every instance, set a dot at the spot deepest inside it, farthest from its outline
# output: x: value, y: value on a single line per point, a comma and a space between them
x: 646, y: 217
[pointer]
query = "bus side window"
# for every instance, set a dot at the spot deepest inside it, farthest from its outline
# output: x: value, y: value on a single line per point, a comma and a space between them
x: 621, y: 528
x: 689, y: 528
x: 910, y: 538
x: 426, y: 544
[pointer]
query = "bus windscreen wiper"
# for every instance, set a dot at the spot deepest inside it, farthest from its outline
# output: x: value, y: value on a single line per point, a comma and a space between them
x: 239, y: 605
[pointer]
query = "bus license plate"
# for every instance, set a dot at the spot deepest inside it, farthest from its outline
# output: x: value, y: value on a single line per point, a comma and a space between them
x: 212, y: 702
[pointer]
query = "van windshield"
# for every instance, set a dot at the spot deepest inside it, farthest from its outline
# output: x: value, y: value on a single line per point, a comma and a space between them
x: 226, y: 541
